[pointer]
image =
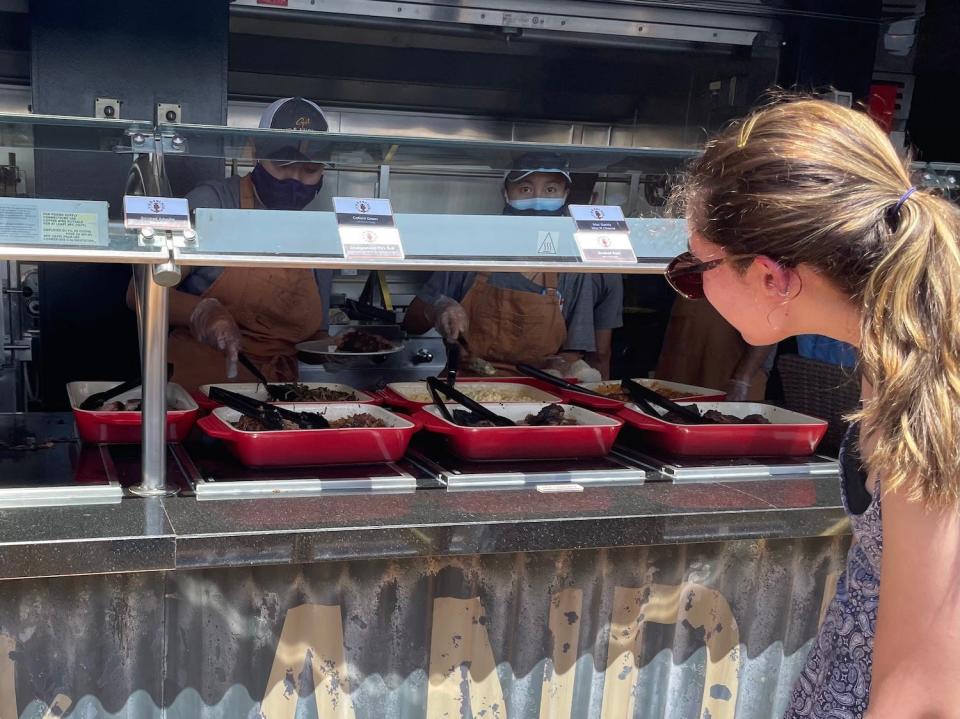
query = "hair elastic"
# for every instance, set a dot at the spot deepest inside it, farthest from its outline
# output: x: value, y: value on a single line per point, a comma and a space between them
x: 903, y: 198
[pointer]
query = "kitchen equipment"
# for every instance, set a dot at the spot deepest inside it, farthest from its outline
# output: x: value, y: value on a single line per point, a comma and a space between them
x: 302, y: 447
x: 273, y: 391
x: 437, y: 388
x: 788, y: 434
x: 677, y: 392
x: 121, y: 427
x: 257, y: 391
x: 592, y: 436
x: 271, y: 415
x: 563, y: 384
x: 645, y: 397
x: 412, y: 396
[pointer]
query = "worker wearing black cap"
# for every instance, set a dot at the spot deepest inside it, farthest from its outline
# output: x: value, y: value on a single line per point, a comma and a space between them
x: 216, y: 312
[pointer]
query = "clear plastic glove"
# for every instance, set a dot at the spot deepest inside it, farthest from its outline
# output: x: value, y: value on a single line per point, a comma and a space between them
x: 450, y: 319
x: 213, y: 325
x: 737, y: 390
x: 578, y: 369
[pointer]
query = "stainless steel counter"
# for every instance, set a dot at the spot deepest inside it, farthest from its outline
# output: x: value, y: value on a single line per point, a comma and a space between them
x: 180, y: 532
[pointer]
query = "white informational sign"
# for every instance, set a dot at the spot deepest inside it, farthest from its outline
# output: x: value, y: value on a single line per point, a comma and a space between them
x: 159, y: 213
x: 367, y: 231
x: 602, y: 234
x: 370, y: 243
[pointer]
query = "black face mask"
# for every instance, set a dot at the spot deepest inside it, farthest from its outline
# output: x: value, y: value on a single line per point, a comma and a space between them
x: 282, y: 194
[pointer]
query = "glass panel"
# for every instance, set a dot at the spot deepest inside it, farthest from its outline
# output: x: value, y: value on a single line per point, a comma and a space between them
x: 52, y: 132
x: 346, y: 150
x: 311, y: 238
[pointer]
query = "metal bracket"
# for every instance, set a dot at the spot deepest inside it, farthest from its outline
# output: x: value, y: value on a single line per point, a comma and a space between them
x: 173, y: 144
x: 172, y: 239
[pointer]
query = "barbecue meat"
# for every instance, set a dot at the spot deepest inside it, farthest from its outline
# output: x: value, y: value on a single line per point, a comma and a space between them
x: 361, y: 341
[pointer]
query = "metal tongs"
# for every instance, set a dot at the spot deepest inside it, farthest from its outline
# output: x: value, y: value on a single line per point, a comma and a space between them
x: 438, y: 387
x: 454, y: 351
x: 644, y: 397
x: 269, y: 414
x: 96, y: 401
x: 273, y: 390
x: 539, y: 374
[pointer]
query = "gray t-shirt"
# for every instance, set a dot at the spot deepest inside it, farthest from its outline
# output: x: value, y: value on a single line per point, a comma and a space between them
x: 576, y: 293
x: 607, y: 301
x: 226, y: 194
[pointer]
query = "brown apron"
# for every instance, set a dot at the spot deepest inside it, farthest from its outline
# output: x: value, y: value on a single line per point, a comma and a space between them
x: 274, y: 308
x: 703, y: 349
x: 508, y: 327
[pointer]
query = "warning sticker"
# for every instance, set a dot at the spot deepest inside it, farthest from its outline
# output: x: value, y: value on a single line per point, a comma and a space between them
x: 547, y: 243
x: 70, y: 228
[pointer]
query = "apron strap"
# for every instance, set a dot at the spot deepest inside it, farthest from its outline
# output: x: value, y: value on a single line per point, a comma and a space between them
x: 248, y: 196
x: 551, y: 280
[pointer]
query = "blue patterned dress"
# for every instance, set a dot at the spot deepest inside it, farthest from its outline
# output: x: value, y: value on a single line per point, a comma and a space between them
x: 835, y: 682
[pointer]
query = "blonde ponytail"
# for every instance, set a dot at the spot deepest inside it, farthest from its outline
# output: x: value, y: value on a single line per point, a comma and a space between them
x: 809, y: 182
x: 910, y: 352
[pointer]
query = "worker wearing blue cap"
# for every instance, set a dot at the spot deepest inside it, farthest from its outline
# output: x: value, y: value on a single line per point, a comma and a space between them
x: 509, y: 318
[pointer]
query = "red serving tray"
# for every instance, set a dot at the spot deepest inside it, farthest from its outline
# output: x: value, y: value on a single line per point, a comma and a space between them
x: 394, y: 398
x: 99, y: 427
x: 594, y: 437
x: 249, y: 389
x: 790, y: 434
x: 301, y: 447
x: 606, y: 404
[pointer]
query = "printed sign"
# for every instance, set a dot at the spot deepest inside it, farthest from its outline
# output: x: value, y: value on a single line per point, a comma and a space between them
x: 605, y: 247
x: 160, y: 213
x: 371, y: 243
x: 547, y: 243
x: 53, y: 222
x: 362, y: 211
x: 599, y: 218
x: 367, y: 232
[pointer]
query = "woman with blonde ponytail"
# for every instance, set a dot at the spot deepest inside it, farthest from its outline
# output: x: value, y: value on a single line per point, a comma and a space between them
x: 804, y: 220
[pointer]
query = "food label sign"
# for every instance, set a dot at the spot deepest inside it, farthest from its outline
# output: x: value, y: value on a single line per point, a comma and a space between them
x: 602, y: 234
x: 159, y: 213
x: 367, y: 230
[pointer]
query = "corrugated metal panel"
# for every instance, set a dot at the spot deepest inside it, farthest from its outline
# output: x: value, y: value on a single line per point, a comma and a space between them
x: 716, y: 630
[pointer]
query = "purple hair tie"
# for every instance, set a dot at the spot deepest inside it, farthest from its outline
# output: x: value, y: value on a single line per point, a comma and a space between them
x: 903, y: 198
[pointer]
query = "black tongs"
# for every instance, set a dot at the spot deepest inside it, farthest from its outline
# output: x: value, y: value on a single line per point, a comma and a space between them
x: 269, y: 414
x: 531, y: 371
x: 438, y: 387
x: 273, y: 390
x: 454, y: 351
x: 96, y: 401
x: 644, y: 397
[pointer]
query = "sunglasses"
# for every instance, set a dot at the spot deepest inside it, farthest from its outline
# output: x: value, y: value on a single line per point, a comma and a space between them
x: 685, y: 273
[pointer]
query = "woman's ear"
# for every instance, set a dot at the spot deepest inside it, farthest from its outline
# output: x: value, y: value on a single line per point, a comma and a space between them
x: 777, y: 280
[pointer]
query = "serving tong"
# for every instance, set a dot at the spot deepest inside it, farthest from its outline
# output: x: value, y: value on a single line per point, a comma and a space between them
x: 438, y: 387
x: 644, y: 397
x: 270, y: 415
x: 97, y: 400
x: 531, y: 371
x: 273, y: 390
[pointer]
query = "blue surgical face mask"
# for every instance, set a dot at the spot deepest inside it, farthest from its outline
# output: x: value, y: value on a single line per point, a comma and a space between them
x: 537, y: 204
x: 282, y: 194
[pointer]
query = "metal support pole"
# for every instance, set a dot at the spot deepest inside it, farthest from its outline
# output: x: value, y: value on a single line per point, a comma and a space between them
x: 154, y: 368
x: 383, y: 182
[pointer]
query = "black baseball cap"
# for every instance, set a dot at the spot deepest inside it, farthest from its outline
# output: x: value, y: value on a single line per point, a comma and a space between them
x: 291, y: 113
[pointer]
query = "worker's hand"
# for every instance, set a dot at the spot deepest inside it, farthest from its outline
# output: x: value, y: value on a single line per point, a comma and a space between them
x: 213, y: 325
x: 450, y: 318
x: 737, y: 390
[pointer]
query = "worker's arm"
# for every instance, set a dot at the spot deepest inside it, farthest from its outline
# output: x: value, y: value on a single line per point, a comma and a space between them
x: 600, y: 358
x: 419, y: 317
x: 751, y: 361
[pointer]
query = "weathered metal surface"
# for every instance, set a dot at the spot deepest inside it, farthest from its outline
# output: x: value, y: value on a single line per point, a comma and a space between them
x: 703, y: 630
